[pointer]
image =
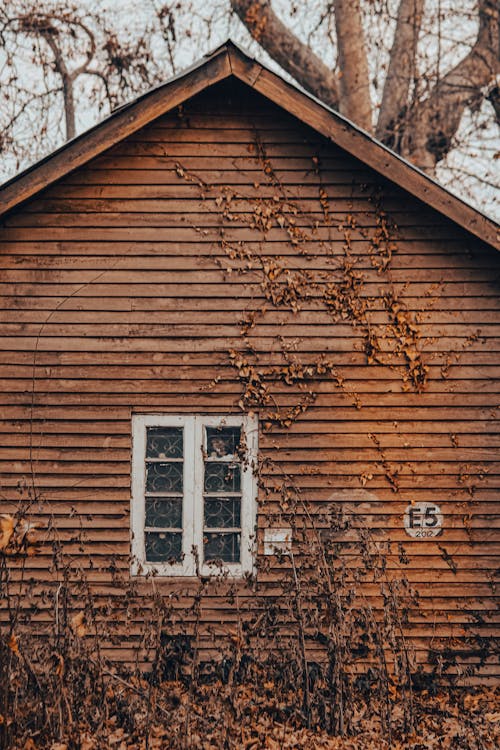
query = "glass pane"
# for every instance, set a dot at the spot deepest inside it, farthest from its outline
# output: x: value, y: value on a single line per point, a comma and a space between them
x: 223, y: 442
x: 163, y: 546
x: 164, y: 512
x: 162, y: 477
x: 222, y: 513
x: 222, y: 477
x: 225, y: 547
x: 164, y: 442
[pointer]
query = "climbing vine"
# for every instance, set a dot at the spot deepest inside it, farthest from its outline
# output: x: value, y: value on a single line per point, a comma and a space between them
x: 342, y: 292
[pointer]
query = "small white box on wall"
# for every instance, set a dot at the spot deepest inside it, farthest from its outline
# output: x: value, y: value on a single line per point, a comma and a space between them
x: 277, y: 541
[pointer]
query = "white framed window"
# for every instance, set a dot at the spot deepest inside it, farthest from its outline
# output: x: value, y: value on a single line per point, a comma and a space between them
x: 194, y: 494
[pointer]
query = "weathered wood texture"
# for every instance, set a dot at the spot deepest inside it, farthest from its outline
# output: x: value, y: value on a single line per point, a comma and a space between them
x: 125, y: 286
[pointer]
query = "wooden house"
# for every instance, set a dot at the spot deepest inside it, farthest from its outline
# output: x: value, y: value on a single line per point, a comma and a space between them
x: 236, y: 331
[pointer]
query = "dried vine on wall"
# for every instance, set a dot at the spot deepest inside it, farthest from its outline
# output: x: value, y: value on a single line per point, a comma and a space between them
x: 341, y: 292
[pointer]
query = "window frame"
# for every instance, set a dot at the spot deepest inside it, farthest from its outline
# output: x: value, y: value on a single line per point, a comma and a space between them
x: 193, y: 495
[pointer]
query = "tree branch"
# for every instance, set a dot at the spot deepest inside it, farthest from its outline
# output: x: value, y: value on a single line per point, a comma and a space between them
x: 401, y: 71
x: 67, y: 82
x: 494, y: 99
x: 288, y: 51
x: 100, y: 75
x: 90, y: 53
x: 352, y: 63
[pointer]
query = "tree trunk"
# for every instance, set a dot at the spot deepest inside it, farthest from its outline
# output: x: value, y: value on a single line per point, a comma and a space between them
x: 69, y: 106
x: 401, y: 72
x: 352, y: 64
x: 67, y: 84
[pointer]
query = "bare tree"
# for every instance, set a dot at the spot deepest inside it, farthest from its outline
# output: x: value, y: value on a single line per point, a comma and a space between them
x: 65, y: 53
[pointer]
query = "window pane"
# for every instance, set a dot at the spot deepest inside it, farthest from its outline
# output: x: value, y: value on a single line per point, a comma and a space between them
x: 164, y: 477
x: 223, y: 442
x: 222, y: 477
x: 221, y: 513
x: 163, y: 546
x: 164, y: 442
x: 164, y: 512
x: 225, y: 547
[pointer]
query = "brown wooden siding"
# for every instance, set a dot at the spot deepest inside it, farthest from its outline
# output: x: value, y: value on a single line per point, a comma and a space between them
x: 118, y: 295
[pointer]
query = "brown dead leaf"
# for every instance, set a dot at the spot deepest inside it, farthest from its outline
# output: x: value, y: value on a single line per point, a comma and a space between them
x: 59, y: 665
x: 493, y: 717
x: 119, y: 735
x: 393, y: 692
x: 13, y: 644
x: 78, y: 624
x: 7, y: 526
x: 87, y: 742
x: 365, y: 478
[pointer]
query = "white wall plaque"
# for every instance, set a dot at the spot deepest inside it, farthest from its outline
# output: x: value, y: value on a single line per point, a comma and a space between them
x: 423, y: 520
x: 277, y: 541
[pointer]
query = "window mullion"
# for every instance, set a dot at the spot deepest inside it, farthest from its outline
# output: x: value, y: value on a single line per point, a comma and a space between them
x: 188, y: 521
x: 198, y: 480
x: 248, y: 495
x: 138, y: 511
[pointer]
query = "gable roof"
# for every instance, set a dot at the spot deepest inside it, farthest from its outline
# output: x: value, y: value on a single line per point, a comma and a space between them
x: 225, y: 62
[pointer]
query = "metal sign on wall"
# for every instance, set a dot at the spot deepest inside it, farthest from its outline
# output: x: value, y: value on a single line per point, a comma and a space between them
x: 423, y: 520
